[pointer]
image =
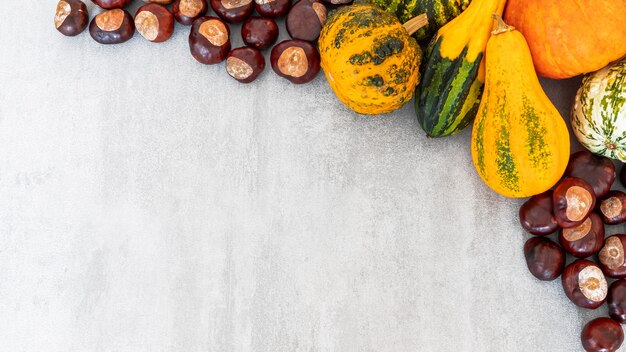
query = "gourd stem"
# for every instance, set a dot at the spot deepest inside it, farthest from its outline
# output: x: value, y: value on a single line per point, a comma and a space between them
x: 502, y: 27
x: 415, y: 23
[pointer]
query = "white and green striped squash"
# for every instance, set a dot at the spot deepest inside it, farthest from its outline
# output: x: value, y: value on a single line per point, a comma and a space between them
x: 599, y: 114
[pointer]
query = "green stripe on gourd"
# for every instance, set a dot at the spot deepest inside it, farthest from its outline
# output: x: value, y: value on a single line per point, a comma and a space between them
x: 448, y: 97
x: 599, y: 113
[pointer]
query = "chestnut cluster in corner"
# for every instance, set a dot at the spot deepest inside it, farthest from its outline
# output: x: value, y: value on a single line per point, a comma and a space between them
x: 579, y: 208
x: 296, y: 60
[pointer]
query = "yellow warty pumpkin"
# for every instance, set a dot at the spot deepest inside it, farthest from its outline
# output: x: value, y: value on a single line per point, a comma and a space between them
x: 369, y: 58
x: 520, y: 143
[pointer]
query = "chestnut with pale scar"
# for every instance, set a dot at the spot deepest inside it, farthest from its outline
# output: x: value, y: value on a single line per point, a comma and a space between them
x: 187, y: 11
x: 71, y: 17
x: 296, y: 60
x: 612, y: 208
x: 611, y: 256
x: 154, y: 22
x: 573, y: 201
x: 233, y: 11
x: 584, y: 284
x: 209, y: 40
x: 112, y: 27
x: 272, y: 8
x: 245, y: 64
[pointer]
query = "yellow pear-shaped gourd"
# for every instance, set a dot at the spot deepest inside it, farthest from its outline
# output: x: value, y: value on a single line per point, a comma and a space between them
x: 520, y: 143
x: 370, y: 59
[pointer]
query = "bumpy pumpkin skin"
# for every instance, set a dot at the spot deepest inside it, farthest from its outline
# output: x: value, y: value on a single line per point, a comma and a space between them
x: 570, y: 37
x: 599, y: 113
x: 453, y: 71
x: 369, y: 59
x: 520, y: 143
x: 439, y: 12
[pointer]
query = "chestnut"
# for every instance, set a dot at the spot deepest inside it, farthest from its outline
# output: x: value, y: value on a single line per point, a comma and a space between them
x: 611, y: 256
x: 305, y: 20
x: 597, y: 171
x: 584, y: 240
x: 233, y: 11
x: 544, y: 258
x: 622, y: 175
x: 111, y: 4
x: 71, y: 17
x: 272, y: 8
x: 162, y: 2
x: 154, y: 22
x: 187, y: 11
x: 616, y: 300
x: 573, y: 202
x: 209, y: 40
x: 602, y: 335
x: 112, y: 27
x: 296, y: 60
x: 245, y: 64
x: 259, y: 32
x: 584, y: 284
x: 536, y: 215
x: 613, y: 208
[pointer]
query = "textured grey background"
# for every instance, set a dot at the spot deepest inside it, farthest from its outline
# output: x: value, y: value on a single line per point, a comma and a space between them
x: 150, y: 203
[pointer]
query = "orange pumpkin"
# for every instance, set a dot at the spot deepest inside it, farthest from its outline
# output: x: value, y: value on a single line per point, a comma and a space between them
x: 570, y: 37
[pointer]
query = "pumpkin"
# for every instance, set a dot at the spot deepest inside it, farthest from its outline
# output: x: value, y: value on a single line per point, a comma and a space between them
x: 570, y: 37
x: 453, y: 71
x: 599, y: 113
x: 520, y: 143
x: 439, y: 12
x: 369, y: 58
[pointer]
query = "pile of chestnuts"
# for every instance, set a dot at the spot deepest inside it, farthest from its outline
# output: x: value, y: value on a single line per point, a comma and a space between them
x: 297, y: 59
x: 579, y: 208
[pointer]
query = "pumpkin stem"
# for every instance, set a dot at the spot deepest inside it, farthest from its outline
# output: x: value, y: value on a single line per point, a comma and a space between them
x: 415, y: 23
x: 502, y: 27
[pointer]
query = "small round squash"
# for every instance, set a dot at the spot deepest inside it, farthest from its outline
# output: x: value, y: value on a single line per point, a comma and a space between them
x: 370, y: 59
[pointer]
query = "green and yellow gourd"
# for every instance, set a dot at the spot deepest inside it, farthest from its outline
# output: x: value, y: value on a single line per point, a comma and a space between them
x: 369, y: 58
x: 439, y: 12
x: 520, y: 143
x: 453, y: 71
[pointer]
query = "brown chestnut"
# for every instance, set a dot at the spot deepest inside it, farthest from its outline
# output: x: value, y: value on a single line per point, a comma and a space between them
x: 154, y: 22
x: 544, y: 258
x: 305, y: 20
x: 111, y: 4
x: 112, y: 27
x: 296, y: 60
x: 585, y: 239
x: 187, y: 11
x: 259, y: 32
x: 71, y: 17
x: 233, y: 11
x: 584, y: 284
x: 536, y: 215
x: 597, y: 171
x: 602, y: 335
x: 209, y: 40
x: 611, y: 256
x: 245, y: 64
x: 162, y: 2
x: 622, y: 175
x: 272, y: 8
x: 616, y: 300
x: 613, y: 208
x: 573, y: 202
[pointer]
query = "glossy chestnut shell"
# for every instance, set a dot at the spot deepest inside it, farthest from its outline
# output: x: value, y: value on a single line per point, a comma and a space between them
x: 296, y: 60
x: 602, y: 335
x: 260, y: 33
x: 544, y: 258
x: 536, y: 215
x: 209, y: 40
x: 233, y: 11
x: 585, y: 239
x: 245, y: 64
x: 611, y: 256
x: 154, y: 22
x: 71, y: 17
x: 612, y: 207
x: 597, y: 171
x: 187, y: 11
x: 573, y: 201
x: 111, y: 4
x: 305, y: 20
x: 112, y: 27
x: 616, y: 300
x: 622, y: 175
x: 272, y: 8
x: 584, y: 284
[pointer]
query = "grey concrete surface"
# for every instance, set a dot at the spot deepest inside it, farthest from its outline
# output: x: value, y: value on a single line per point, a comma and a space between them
x: 150, y: 203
